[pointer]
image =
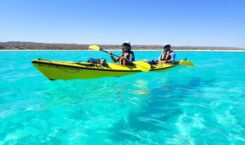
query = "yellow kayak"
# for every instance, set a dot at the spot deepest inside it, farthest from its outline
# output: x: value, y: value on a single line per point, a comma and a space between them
x: 56, y: 70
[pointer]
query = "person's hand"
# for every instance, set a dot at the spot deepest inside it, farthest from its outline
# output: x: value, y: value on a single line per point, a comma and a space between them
x: 161, y: 61
x: 125, y: 55
x: 110, y: 53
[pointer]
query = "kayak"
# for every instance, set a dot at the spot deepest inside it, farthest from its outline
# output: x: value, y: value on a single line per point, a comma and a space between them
x: 64, y: 70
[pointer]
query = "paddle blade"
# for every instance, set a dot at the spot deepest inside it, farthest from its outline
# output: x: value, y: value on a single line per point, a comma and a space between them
x: 94, y: 47
x: 185, y: 62
x: 142, y: 66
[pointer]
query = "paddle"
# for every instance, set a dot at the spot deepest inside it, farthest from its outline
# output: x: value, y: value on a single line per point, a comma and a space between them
x: 186, y: 62
x: 141, y: 65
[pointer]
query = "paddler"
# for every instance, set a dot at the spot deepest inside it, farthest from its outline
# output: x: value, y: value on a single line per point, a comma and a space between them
x: 127, y: 56
x: 167, y: 55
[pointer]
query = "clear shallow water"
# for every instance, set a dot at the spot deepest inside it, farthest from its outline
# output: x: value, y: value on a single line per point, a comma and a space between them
x: 181, y: 106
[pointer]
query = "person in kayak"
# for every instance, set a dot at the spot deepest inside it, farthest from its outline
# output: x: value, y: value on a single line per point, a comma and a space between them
x: 127, y: 56
x: 167, y: 55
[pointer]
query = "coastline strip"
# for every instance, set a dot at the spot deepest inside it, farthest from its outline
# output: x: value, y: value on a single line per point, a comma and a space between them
x: 134, y: 50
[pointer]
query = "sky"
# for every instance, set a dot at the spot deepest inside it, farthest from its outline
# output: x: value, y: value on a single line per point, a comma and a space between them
x: 152, y: 22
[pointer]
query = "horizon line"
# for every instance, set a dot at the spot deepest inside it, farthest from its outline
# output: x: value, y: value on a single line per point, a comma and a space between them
x: 73, y: 43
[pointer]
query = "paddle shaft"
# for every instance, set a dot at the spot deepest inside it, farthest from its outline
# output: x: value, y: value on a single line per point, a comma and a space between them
x: 111, y: 53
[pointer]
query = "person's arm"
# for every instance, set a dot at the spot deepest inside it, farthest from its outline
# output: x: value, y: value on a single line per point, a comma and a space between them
x: 172, y: 60
x: 160, y: 59
x: 173, y: 55
x: 113, y: 58
x: 167, y: 56
x: 130, y: 57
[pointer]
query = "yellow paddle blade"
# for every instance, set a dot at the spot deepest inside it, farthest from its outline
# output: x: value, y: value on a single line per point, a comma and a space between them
x: 115, y: 66
x: 142, y: 66
x: 185, y: 62
x: 94, y: 47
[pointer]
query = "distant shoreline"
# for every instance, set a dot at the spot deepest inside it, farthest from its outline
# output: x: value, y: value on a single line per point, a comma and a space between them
x: 34, y: 46
x: 184, y: 50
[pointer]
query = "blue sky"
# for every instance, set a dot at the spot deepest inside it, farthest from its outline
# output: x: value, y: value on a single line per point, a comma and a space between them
x: 179, y: 22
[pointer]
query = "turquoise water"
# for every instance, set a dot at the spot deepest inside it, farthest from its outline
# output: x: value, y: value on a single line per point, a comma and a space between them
x: 198, y: 105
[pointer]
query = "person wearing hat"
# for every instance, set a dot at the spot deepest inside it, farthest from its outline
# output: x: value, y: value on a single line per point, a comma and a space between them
x: 127, y: 56
x: 167, y: 55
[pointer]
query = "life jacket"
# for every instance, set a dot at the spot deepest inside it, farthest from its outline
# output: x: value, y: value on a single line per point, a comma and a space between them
x: 171, y: 56
x: 130, y: 58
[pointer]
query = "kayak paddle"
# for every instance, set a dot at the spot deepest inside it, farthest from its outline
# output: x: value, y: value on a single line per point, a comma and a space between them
x: 186, y: 62
x: 141, y: 65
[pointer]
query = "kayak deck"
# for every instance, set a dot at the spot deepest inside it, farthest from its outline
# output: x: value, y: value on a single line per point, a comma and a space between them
x: 54, y: 70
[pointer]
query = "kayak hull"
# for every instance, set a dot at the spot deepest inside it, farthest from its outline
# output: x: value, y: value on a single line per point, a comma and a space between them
x: 60, y: 70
